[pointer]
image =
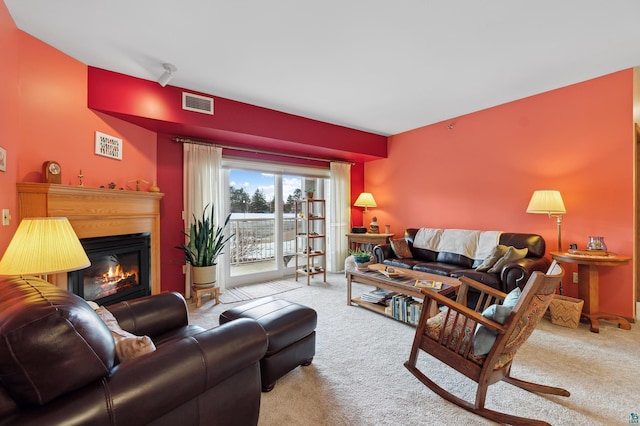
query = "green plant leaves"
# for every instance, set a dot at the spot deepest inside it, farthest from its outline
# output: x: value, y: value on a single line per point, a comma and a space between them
x: 206, y: 240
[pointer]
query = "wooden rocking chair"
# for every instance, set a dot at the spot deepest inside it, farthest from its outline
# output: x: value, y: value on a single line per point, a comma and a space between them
x: 449, y: 337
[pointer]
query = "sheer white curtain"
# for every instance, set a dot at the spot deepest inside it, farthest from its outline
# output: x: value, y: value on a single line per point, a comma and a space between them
x: 202, y: 185
x: 339, y: 215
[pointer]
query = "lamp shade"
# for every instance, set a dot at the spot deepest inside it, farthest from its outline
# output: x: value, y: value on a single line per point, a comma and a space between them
x: 365, y: 200
x: 45, y: 245
x: 546, y: 201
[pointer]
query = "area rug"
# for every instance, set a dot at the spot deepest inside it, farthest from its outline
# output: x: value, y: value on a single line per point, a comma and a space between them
x: 256, y: 291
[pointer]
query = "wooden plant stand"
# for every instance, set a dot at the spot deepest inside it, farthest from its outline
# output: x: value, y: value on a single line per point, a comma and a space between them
x: 197, y: 293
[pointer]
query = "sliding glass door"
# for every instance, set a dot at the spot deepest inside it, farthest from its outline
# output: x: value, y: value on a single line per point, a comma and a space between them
x: 260, y: 199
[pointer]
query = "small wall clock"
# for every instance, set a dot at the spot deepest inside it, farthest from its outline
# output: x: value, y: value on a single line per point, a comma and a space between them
x: 51, y: 172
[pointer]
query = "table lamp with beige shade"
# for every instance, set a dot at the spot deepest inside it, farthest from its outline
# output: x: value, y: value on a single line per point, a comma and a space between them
x: 43, y: 245
x: 366, y: 200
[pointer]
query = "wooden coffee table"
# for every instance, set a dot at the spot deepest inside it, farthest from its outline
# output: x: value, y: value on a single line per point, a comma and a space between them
x: 402, y: 284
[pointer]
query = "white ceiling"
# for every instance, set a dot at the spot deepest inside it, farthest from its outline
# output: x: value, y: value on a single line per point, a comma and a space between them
x: 377, y: 65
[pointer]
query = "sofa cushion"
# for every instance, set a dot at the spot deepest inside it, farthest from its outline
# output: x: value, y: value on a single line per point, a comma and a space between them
x: 401, y: 248
x: 511, y: 255
x: 492, y: 280
x: 495, y: 255
x: 454, y: 259
x: 534, y: 242
x: 425, y: 255
x: 436, y: 268
x: 401, y: 263
x: 51, y: 341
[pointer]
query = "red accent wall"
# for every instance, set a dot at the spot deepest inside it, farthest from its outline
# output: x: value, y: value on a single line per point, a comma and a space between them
x: 481, y: 174
x: 158, y: 108
x: 171, y: 224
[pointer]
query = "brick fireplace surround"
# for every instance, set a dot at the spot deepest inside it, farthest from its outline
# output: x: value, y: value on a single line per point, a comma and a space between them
x: 95, y: 212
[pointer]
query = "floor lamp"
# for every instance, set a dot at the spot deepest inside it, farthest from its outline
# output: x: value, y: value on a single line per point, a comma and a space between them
x: 549, y: 202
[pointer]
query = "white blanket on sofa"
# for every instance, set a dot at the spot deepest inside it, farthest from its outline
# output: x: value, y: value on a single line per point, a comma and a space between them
x: 475, y: 245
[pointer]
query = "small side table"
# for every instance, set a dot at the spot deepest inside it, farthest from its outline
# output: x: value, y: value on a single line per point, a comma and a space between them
x: 588, y: 285
x: 356, y: 240
x: 197, y: 293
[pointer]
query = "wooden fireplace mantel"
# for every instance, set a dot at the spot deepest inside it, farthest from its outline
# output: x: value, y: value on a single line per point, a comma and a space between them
x: 96, y: 212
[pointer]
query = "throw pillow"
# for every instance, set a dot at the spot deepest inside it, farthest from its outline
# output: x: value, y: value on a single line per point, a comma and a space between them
x: 512, y: 298
x: 401, y: 248
x: 511, y: 255
x: 495, y: 255
x: 484, y: 337
x: 128, y: 345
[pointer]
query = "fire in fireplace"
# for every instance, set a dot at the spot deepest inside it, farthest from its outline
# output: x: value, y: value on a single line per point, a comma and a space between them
x: 119, y: 269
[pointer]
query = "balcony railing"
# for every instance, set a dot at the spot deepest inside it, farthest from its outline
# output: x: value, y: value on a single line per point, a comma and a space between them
x: 254, y: 238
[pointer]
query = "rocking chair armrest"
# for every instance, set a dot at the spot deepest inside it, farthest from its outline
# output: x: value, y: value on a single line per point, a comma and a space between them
x: 469, y: 282
x: 449, y: 303
x: 463, y: 310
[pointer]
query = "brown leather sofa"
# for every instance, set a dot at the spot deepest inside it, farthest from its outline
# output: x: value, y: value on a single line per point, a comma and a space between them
x: 512, y: 275
x: 58, y: 362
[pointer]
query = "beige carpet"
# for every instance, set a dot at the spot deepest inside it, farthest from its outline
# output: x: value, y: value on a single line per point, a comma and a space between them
x: 358, y: 377
x: 256, y: 291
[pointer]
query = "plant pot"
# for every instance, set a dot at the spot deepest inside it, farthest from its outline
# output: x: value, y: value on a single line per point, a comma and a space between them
x: 309, y: 195
x: 362, y: 263
x: 203, y: 276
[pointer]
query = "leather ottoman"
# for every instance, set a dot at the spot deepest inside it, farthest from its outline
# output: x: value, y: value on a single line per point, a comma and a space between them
x: 290, y: 328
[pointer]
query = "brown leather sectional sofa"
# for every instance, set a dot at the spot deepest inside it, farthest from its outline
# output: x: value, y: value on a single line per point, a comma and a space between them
x: 512, y: 275
x: 58, y: 362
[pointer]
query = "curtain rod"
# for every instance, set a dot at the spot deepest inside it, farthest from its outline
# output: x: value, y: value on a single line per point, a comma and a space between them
x: 257, y: 151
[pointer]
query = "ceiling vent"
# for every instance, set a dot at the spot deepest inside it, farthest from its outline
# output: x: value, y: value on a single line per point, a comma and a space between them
x: 197, y: 103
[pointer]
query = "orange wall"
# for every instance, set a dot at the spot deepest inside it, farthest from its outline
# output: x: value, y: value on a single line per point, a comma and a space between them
x: 481, y: 174
x: 9, y: 36
x: 44, y: 116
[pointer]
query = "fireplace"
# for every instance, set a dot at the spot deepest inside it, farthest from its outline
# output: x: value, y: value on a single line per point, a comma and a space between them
x: 119, y: 269
x: 97, y: 212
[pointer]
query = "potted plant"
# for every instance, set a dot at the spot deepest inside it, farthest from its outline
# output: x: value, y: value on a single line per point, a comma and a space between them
x: 310, y: 192
x: 361, y: 257
x: 206, y: 242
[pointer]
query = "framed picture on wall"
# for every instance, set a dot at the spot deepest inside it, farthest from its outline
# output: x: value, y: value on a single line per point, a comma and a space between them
x: 3, y: 159
x: 108, y: 146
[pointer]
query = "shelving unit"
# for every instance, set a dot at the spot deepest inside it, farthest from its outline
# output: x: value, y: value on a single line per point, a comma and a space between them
x: 311, y: 239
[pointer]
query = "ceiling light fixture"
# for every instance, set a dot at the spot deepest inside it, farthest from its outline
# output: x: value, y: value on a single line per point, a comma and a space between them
x: 169, y: 69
